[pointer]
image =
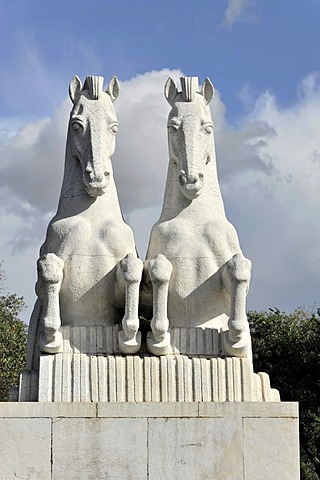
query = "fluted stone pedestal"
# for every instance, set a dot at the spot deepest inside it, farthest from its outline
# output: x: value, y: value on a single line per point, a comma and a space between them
x: 90, y: 368
x: 75, y: 377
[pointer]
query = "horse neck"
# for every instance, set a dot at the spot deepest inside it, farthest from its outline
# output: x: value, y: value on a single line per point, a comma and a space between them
x: 74, y: 198
x: 207, y: 206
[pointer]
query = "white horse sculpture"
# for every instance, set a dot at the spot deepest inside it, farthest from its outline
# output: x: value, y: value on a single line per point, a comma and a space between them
x: 88, y: 262
x: 195, y: 269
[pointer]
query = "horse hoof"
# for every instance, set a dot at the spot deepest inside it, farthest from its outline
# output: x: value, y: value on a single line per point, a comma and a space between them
x: 159, y: 348
x: 51, y: 342
x: 131, y: 345
x: 237, y: 347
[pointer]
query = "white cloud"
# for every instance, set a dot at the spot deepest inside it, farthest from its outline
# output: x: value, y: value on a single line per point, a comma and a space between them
x: 32, y: 160
x: 268, y: 168
x: 238, y: 10
x: 277, y: 209
x: 140, y: 161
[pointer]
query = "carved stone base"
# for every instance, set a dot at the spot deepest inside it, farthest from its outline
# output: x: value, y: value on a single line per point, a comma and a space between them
x: 91, y: 368
x: 51, y: 343
x: 129, y: 346
x: 159, y: 348
x: 78, y: 377
x: 102, y: 340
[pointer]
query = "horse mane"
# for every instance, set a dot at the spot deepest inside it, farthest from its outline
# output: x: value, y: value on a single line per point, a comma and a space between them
x: 94, y: 85
x: 190, y: 86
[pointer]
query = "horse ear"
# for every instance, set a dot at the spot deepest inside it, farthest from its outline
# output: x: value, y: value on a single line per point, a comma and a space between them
x: 75, y: 88
x: 207, y: 90
x: 170, y: 91
x: 113, y: 88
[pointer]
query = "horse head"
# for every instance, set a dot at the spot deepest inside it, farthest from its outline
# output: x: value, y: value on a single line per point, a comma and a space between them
x: 190, y: 132
x: 92, y: 129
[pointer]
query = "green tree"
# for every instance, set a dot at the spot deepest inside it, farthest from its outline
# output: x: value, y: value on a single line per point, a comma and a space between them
x: 13, y: 335
x: 287, y: 347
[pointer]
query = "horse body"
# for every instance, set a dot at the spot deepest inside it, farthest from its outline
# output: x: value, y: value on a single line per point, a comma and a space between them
x: 203, y: 276
x: 197, y: 254
x: 88, y: 262
x: 91, y: 244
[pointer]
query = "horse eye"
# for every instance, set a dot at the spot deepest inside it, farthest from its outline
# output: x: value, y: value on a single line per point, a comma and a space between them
x: 114, y: 128
x: 208, y: 129
x: 76, y: 126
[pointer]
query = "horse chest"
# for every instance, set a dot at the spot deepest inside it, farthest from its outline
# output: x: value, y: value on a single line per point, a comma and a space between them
x: 197, y: 252
x: 80, y: 236
x: 200, y: 240
x: 91, y: 252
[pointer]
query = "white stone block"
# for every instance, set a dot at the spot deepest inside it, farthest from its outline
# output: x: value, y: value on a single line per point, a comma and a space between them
x: 99, y: 449
x: 271, y: 448
x: 249, y: 409
x: 154, y: 441
x: 47, y: 410
x: 25, y: 448
x: 148, y: 409
x: 195, y: 448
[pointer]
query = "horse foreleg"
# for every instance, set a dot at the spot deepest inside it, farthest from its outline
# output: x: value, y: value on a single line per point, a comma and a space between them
x: 50, y: 274
x: 130, y: 272
x: 236, y: 278
x: 158, y: 342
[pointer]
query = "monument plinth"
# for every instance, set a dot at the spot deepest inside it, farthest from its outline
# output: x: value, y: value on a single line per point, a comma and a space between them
x: 101, y: 397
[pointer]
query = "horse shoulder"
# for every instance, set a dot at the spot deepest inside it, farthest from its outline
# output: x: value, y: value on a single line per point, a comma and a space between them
x: 117, y: 237
x: 64, y: 235
x: 222, y: 238
x: 165, y: 238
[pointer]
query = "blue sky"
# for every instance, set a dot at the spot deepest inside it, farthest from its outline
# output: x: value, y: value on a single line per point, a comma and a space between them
x: 267, y: 45
x: 264, y: 60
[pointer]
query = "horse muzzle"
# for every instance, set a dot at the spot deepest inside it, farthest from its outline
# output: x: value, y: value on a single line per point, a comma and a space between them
x: 96, y: 186
x: 191, y: 185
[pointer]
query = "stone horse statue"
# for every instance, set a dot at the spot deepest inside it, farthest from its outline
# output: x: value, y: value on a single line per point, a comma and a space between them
x: 195, y: 273
x: 88, y: 262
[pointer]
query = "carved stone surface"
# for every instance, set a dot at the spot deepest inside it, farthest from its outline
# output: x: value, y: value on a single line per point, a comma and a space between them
x: 88, y: 262
x: 101, y: 339
x: 78, y: 377
x: 195, y: 273
x: 80, y: 348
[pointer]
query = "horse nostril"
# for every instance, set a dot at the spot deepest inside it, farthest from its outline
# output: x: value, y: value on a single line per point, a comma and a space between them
x: 182, y: 177
x: 192, y: 178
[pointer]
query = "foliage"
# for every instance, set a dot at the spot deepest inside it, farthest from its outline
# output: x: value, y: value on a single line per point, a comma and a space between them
x: 13, y: 335
x: 287, y: 347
